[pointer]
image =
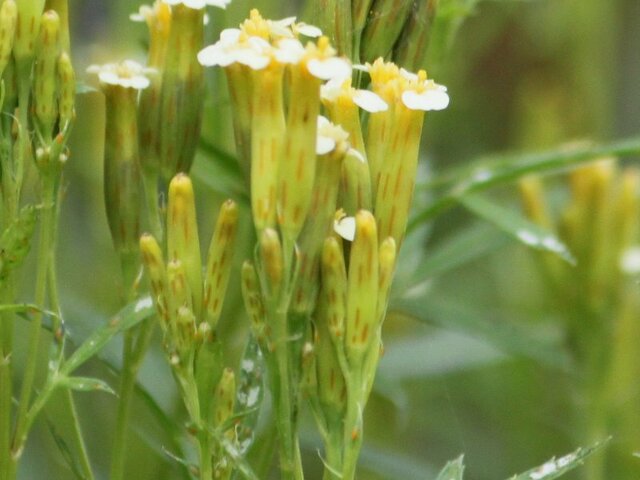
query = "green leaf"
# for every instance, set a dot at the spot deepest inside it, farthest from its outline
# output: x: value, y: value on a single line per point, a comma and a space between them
x: 493, y: 170
x: 517, y: 226
x: 85, y: 384
x: 69, y: 459
x: 507, y: 335
x: 221, y: 172
x: 453, y: 470
x: 15, y: 241
x: 127, y: 318
x: 249, y: 394
x: 555, y: 468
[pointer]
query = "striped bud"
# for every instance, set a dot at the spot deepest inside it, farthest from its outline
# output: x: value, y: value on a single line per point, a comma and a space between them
x: 334, y: 19
x: 359, y: 14
x: 272, y: 261
x: 253, y: 301
x: 298, y: 167
x: 411, y: 50
x: 267, y: 133
x: 387, y: 263
x: 383, y: 27
x: 219, y: 261
x: 122, y: 182
x: 154, y: 264
x: 45, y: 88
x: 334, y: 284
x: 182, y: 91
x: 8, y: 21
x: 28, y: 29
x: 67, y: 90
x: 356, y: 184
x: 363, y: 284
x: 62, y: 9
x: 183, y: 243
x: 179, y: 287
x: 224, y: 397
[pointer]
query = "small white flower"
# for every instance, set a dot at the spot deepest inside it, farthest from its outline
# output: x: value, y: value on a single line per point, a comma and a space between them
x: 433, y: 98
x: 198, y: 4
x: 127, y: 74
x: 328, y: 68
x: 289, y: 50
x: 281, y: 28
x: 329, y: 135
x: 144, y: 13
x: 365, y: 99
x: 345, y: 227
x: 235, y: 47
x: 307, y: 30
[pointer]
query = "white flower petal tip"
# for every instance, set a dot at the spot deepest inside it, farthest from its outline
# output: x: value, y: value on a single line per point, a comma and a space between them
x: 199, y: 4
x: 369, y: 101
x: 431, y: 99
x: 352, y: 152
x: 307, y: 30
x: 630, y: 261
x: 329, y: 68
x: 127, y: 74
x: 346, y: 228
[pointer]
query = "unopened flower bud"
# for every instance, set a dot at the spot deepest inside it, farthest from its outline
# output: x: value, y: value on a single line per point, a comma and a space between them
x: 334, y: 284
x: 8, y: 21
x: 219, y: 261
x: 356, y: 183
x: 155, y: 266
x: 387, y: 262
x: 45, y: 89
x: 183, y: 243
x: 383, y: 27
x: 224, y: 397
x: 272, y: 261
x: 253, y: 301
x: 411, y: 49
x: 28, y: 29
x: 62, y: 9
x: 67, y: 90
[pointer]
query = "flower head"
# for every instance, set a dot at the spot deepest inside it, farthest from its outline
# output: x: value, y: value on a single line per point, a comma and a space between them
x: 330, y: 136
x: 340, y: 91
x: 126, y: 74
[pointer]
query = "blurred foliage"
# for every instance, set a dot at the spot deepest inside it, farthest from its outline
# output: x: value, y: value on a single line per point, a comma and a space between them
x: 476, y: 360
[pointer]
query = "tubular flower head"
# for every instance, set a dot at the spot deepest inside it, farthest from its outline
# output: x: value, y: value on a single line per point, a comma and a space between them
x: 319, y: 58
x: 414, y: 91
x: 199, y: 4
x: 127, y: 74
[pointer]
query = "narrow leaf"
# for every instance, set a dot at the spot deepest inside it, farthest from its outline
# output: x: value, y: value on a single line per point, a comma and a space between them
x: 127, y: 318
x: 489, y: 171
x: 517, y: 226
x: 453, y: 470
x: 85, y: 384
x: 555, y: 468
x: 249, y: 394
x: 70, y: 461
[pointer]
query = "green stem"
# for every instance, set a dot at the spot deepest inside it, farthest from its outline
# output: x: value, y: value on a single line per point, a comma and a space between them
x: 353, y: 426
x: 6, y: 387
x: 334, y: 449
x: 44, y: 254
x: 206, y: 463
x: 150, y: 181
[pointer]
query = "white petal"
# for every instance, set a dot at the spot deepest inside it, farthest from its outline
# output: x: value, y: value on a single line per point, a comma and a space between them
x: 322, y: 122
x: 329, y: 68
x: 289, y: 51
x: 252, y: 59
x: 369, y: 101
x: 324, y: 145
x: 211, y: 55
x: 346, y: 228
x: 139, y: 82
x: 229, y: 36
x: 106, y: 76
x: 310, y: 31
x: 137, y: 17
x: 428, y: 100
x: 361, y: 68
x: 195, y: 4
x: 219, y: 3
x: 408, y: 75
x: 330, y: 90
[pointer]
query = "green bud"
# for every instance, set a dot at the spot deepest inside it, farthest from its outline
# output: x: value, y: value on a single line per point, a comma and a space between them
x: 45, y: 88
x: 154, y: 264
x: 28, y: 29
x: 253, y: 302
x: 272, y: 261
x: 225, y: 396
x: 298, y: 167
x: 359, y: 14
x: 8, y: 21
x: 267, y: 133
x: 219, y: 261
x: 332, y: 390
x: 356, y: 184
x: 67, y: 92
x: 334, y: 18
x: 182, y: 331
x: 122, y: 181
x: 387, y: 263
x: 179, y: 288
x: 411, y: 49
x: 10, y: 92
x: 334, y: 285
x: 182, y: 92
x: 62, y: 8
x: 240, y: 93
x: 383, y: 27
x: 183, y: 243
x: 318, y: 226
x: 363, y: 284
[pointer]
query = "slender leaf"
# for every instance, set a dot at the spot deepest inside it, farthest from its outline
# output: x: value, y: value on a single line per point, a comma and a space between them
x: 508, y: 336
x: 490, y: 171
x: 453, y: 470
x: 127, y: 318
x: 517, y: 226
x: 69, y: 459
x: 221, y: 172
x: 27, y: 308
x: 85, y: 384
x: 555, y: 468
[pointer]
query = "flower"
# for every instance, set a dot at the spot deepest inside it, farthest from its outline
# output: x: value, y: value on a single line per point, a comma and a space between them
x: 340, y: 89
x: 345, y: 226
x: 198, y: 4
x: 236, y: 47
x: 127, y: 74
x: 329, y: 136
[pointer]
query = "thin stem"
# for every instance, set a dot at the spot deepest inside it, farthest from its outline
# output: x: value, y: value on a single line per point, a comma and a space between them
x: 206, y: 463
x: 353, y: 427
x: 44, y: 254
x: 6, y: 387
x: 150, y: 181
x: 334, y: 450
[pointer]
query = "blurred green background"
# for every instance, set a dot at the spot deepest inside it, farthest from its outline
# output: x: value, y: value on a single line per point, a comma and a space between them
x: 475, y: 359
